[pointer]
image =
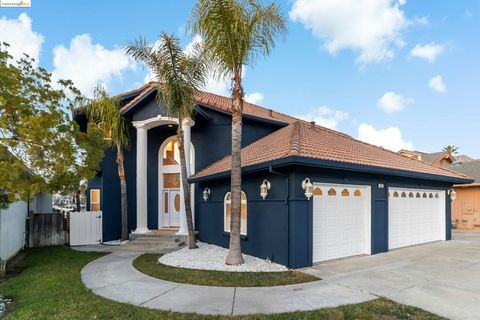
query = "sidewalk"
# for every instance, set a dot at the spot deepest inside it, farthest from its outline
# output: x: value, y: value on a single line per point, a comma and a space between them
x: 114, y: 277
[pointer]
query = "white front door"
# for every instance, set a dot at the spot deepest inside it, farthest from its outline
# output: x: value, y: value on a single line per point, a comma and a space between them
x: 174, y: 207
x: 415, y: 216
x: 341, y: 221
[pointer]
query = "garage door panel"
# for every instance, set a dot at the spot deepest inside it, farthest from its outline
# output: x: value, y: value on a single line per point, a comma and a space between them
x: 417, y: 218
x: 341, y: 223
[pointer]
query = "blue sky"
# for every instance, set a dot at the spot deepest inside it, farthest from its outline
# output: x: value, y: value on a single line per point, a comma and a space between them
x: 392, y: 72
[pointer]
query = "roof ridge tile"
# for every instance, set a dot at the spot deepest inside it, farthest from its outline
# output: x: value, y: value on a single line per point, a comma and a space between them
x: 295, y: 140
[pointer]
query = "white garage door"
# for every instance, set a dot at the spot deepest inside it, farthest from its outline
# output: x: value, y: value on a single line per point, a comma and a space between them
x: 415, y: 216
x: 341, y: 221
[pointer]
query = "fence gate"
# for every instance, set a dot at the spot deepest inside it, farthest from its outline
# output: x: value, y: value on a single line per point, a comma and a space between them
x: 85, y: 228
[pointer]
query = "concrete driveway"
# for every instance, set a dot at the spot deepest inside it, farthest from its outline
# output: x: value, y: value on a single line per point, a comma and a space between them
x: 441, y: 277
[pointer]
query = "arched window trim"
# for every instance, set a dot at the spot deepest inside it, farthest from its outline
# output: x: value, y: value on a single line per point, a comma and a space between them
x: 332, y: 192
x: 243, y: 226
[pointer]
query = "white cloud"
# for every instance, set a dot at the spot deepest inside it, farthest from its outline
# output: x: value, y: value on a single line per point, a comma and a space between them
x: 392, y: 102
x: 437, y: 84
x: 254, y: 97
x: 88, y: 64
x: 390, y: 138
x: 429, y: 51
x: 371, y: 27
x: 325, y: 116
x: 19, y: 35
x: 213, y: 84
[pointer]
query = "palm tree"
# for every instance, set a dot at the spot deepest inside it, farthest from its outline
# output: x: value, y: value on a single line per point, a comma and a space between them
x: 104, y: 112
x: 179, y: 75
x: 451, y: 149
x: 236, y: 33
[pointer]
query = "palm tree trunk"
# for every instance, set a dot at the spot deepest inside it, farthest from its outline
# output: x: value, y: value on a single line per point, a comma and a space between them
x: 192, y: 244
x: 235, y: 251
x: 123, y: 193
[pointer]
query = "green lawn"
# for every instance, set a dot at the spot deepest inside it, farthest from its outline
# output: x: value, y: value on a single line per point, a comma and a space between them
x: 50, y: 288
x: 148, y: 264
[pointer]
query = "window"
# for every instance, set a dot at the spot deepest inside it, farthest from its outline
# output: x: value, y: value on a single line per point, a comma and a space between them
x: 317, y: 192
x: 404, y: 195
x: 171, y: 155
x: 357, y: 193
x: 332, y: 192
x: 395, y: 194
x: 345, y: 193
x: 94, y: 199
x: 228, y: 213
x: 410, y: 195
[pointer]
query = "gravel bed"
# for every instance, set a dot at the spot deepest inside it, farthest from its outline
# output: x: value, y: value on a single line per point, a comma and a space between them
x: 212, y: 257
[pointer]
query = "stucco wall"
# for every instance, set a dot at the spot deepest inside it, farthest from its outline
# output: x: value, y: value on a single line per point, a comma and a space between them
x: 211, y: 139
x: 284, y: 232
x: 466, y: 208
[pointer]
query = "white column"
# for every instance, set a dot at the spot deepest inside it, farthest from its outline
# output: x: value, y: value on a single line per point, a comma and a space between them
x: 142, y: 143
x: 186, y: 125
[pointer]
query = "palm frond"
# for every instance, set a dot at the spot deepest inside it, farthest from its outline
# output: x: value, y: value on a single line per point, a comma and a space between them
x: 237, y: 32
x: 104, y: 112
x: 178, y: 74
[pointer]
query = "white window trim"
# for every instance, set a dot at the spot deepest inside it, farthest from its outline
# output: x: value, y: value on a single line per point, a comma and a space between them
x: 99, y: 194
x: 226, y: 228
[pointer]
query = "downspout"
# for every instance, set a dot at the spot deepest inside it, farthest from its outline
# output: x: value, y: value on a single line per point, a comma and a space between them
x: 287, y: 198
x: 270, y: 170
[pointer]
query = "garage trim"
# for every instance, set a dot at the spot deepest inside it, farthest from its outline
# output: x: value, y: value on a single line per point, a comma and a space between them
x: 435, y: 197
x: 337, y: 193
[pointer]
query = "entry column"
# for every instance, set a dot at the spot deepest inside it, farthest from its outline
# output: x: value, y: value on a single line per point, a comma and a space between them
x: 142, y: 143
x: 186, y: 126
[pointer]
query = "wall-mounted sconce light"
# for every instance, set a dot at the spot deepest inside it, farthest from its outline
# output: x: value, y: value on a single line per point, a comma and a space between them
x: 308, y: 187
x: 453, y: 194
x: 264, y: 187
x: 206, y: 194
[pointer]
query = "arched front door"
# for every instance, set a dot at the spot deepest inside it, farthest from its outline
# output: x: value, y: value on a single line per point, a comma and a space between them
x: 169, y: 183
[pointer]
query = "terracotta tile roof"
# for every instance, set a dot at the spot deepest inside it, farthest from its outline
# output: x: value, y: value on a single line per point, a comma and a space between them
x: 217, y: 102
x: 143, y: 91
x: 225, y: 104
x: 301, y: 139
x: 311, y: 141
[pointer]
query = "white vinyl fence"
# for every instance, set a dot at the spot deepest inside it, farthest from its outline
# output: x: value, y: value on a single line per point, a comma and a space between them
x: 85, y: 228
x: 12, y: 229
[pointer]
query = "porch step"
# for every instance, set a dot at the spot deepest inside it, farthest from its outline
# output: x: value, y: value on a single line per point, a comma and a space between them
x: 159, y: 236
x: 153, y: 241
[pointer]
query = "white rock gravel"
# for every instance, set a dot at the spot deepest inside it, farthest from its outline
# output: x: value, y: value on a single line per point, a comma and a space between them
x: 212, y: 257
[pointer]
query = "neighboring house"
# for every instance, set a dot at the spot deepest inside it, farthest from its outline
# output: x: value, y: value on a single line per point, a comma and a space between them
x: 466, y: 207
x: 463, y: 158
x: 13, y: 225
x: 366, y: 199
x: 442, y: 158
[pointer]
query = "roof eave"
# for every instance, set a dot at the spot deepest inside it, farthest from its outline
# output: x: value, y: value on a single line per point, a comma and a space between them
x: 244, y: 115
x: 329, y: 164
x: 149, y: 92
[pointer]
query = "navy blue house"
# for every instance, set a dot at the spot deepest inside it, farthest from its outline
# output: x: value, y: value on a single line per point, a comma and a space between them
x: 330, y: 196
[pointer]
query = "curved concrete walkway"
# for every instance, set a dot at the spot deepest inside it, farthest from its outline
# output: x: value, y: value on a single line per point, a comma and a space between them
x: 114, y: 277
